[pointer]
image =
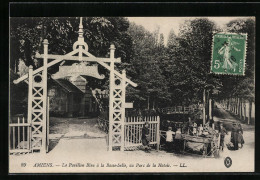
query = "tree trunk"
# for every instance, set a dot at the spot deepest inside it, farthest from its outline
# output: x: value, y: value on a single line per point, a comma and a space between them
x: 148, y: 104
x: 250, y: 112
x: 210, y: 109
x: 244, y: 110
x: 237, y: 106
x: 240, y: 108
x: 204, y: 110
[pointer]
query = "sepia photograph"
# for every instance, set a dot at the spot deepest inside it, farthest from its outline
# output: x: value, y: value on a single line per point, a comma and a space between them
x: 131, y: 94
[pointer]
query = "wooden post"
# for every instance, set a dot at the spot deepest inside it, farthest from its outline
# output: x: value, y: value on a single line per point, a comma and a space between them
x: 204, y: 106
x: 29, y: 111
x: 123, y: 82
x: 111, y: 96
x: 80, y: 39
x: 44, y: 75
x: 158, y: 133
x: 48, y: 124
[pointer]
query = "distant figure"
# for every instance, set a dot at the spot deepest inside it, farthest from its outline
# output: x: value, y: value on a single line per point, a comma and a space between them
x: 146, y: 137
x: 240, y: 136
x: 178, y: 140
x: 200, y: 130
x: 169, y: 139
x: 190, y: 126
x: 194, y: 128
x: 234, y: 136
x: 222, y: 132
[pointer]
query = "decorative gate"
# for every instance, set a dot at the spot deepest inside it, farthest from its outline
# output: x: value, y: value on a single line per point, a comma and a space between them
x: 37, y: 97
x: 133, y: 131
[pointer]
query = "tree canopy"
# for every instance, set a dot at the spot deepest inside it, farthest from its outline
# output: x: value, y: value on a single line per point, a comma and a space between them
x: 175, y: 74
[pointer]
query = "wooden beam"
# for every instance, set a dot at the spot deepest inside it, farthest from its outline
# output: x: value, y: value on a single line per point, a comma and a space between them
x: 77, y: 58
x: 109, y: 68
x: 24, y: 77
x: 118, y: 74
x: 65, y: 57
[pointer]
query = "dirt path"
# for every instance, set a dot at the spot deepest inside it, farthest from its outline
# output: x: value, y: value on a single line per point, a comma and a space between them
x: 91, y: 150
x: 247, y: 152
x: 63, y: 130
x: 221, y: 115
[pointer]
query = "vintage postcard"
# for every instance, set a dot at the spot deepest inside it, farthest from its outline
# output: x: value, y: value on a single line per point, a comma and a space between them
x: 132, y: 94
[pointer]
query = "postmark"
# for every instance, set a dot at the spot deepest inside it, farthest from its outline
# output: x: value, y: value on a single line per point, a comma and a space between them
x: 228, y: 162
x: 229, y: 53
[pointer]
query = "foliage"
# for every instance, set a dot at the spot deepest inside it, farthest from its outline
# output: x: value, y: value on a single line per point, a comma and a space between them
x: 27, y: 35
x: 22, y: 68
x: 172, y: 39
x: 145, y: 67
x: 189, y: 62
x: 173, y: 75
x: 242, y: 86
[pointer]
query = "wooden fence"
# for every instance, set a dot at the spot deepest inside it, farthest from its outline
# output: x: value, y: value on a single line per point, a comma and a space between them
x: 180, y: 109
x: 19, y: 136
x: 133, y: 131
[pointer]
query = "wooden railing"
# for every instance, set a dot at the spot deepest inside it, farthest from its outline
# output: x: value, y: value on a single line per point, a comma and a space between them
x: 133, y: 130
x: 180, y: 109
x: 19, y: 136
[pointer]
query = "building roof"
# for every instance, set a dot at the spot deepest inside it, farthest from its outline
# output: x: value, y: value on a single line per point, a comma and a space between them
x: 68, y: 85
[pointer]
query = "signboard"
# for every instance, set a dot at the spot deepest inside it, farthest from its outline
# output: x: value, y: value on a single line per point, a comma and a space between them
x: 78, y: 69
x: 128, y: 105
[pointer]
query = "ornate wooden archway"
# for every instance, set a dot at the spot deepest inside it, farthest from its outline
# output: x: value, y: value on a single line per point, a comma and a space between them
x: 37, y: 92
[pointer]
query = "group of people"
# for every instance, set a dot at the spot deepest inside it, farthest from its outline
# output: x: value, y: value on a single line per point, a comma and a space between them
x: 170, y: 135
x: 174, y: 138
x: 236, y: 140
x: 195, y: 130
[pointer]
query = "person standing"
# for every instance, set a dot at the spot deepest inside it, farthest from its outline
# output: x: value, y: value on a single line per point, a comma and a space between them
x: 200, y: 130
x: 234, y: 136
x: 178, y: 140
x: 194, y: 129
x: 169, y: 139
x: 190, y: 126
x: 240, y: 136
x: 222, y: 132
x: 146, y: 136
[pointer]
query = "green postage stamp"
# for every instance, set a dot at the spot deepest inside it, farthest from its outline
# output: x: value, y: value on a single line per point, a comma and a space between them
x: 229, y: 53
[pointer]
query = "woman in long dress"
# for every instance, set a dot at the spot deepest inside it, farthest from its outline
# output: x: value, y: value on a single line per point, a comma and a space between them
x: 240, y: 136
x: 234, y: 136
x: 146, y: 136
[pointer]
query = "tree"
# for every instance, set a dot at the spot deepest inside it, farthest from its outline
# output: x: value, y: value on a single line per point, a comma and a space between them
x: 27, y: 35
x: 190, y: 61
x: 242, y: 88
x: 145, y: 68
x: 172, y: 39
x: 161, y: 41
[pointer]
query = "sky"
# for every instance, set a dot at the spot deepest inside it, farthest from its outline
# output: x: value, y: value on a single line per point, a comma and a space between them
x: 168, y: 23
